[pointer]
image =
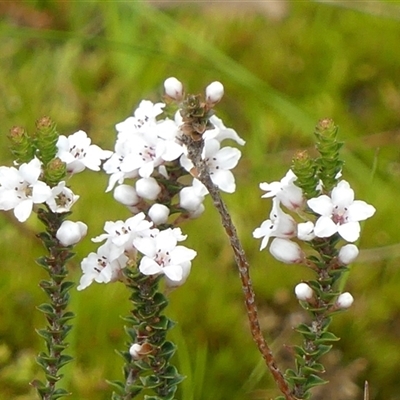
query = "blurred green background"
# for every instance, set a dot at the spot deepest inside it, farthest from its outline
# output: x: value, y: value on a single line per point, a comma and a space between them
x: 284, y: 65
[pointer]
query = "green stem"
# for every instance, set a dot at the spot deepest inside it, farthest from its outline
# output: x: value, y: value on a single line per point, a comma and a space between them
x: 316, y: 337
x: 151, y: 369
x: 57, y: 316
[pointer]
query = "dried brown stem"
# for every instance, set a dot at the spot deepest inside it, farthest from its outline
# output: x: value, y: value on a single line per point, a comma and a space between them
x: 201, y: 173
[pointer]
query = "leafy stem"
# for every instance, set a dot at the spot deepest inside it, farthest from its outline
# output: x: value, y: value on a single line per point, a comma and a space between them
x: 55, y: 311
x: 147, y: 364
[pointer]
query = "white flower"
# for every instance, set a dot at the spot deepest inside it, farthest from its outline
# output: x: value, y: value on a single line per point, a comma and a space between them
x: 62, y: 199
x: 344, y: 301
x: 144, y: 116
x: 303, y: 292
x: 98, y: 267
x: 162, y: 255
x: 280, y: 225
x: 120, y: 234
x: 221, y: 132
x: 173, y: 88
x: 118, y: 165
x: 78, y: 153
x: 348, y: 254
x: 290, y: 195
x: 70, y: 232
x: 192, y: 197
x: 147, y: 111
x: 340, y: 213
x: 286, y: 251
x: 219, y: 162
x: 143, y: 144
x: 144, y: 151
x: 214, y: 92
x: 21, y: 189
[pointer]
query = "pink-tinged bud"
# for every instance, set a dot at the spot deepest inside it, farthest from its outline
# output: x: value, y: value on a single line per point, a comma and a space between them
x: 173, y: 88
x: 214, y: 92
x: 159, y: 213
x: 286, y: 251
x: 126, y: 195
x: 147, y: 188
x: 344, y: 301
x: 303, y: 292
x: 70, y: 233
x: 348, y: 254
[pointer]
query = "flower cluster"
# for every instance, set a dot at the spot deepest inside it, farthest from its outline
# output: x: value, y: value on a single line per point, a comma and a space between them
x: 35, y: 183
x: 322, y: 217
x: 330, y: 215
x: 159, y: 249
x: 150, y: 151
x: 149, y: 172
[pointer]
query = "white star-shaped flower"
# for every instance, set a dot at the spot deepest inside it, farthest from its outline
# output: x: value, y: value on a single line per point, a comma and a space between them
x: 21, y: 188
x: 162, y: 255
x: 280, y: 225
x: 78, y: 153
x: 62, y: 199
x: 340, y: 213
x: 219, y: 162
x: 221, y: 132
x: 290, y: 195
x: 120, y: 234
x: 98, y: 267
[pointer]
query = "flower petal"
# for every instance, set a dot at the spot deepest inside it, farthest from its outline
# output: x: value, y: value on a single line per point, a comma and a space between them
x: 350, y: 231
x: 149, y: 267
x: 224, y: 180
x: 325, y: 227
x: 322, y: 205
x: 360, y: 210
x: 23, y: 210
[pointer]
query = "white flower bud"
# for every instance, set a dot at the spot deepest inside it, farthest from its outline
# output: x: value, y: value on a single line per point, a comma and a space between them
x: 344, y: 301
x: 303, y: 292
x: 159, y: 213
x: 147, y: 188
x: 134, y: 351
x: 189, y: 200
x: 348, y: 254
x: 214, y: 92
x: 305, y: 231
x: 286, y: 251
x: 173, y: 88
x: 70, y: 233
x: 126, y: 195
x: 196, y: 213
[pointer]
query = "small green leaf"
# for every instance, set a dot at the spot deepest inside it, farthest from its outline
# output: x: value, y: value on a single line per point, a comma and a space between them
x: 47, y: 309
x: 327, y: 337
x: 314, y: 380
x: 315, y: 368
x: 117, y: 384
x: 150, y: 381
x: 323, y: 349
